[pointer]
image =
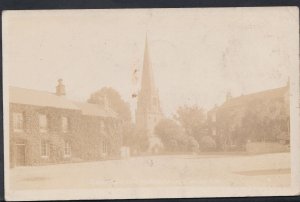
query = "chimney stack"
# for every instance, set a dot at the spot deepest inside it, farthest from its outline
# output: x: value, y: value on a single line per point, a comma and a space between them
x: 60, y: 88
x: 228, y: 96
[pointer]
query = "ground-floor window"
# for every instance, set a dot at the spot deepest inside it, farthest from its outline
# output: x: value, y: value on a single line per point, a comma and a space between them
x: 104, y: 146
x: 45, y: 148
x: 67, y: 149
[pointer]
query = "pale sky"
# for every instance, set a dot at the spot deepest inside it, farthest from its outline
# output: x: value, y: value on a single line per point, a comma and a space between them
x: 197, y: 54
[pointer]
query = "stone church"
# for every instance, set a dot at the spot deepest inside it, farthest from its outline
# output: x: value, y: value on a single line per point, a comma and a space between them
x: 148, y: 112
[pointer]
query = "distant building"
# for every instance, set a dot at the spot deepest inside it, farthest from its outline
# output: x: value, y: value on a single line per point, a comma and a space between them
x: 148, y: 112
x: 47, y: 128
x: 256, y: 117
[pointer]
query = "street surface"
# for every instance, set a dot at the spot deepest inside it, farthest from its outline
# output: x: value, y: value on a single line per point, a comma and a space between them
x: 179, y: 170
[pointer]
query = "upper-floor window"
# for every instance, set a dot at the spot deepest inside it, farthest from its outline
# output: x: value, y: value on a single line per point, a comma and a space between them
x: 65, y: 124
x: 43, y: 123
x: 18, y: 122
x: 45, y: 148
x: 67, y: 149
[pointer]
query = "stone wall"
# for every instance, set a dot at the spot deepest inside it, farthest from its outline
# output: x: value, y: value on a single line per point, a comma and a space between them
x: 266, y: 147
x: 94, y: 131
x: 32, y: 137
x: 85, y: 135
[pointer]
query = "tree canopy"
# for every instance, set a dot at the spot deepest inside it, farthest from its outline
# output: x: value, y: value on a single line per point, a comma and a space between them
x: 115, y: 102
x: 174, y: 138
x: 193, y: 121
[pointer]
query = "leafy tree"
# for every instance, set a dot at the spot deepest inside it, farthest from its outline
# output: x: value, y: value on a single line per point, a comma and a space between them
x: 173, y: 137
x: 265, y: 121
x: 169, y: 132
x: 229, y: 126
x: 193, y: 120
x: 207, y: 143
x: 192, y: 144
x: 115, y: 102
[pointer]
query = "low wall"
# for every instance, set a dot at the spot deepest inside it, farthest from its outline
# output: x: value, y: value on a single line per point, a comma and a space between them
x: 266, y: 147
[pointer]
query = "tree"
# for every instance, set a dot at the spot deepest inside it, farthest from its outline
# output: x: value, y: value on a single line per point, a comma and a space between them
x: 265, y: 120
x: 173, y: 137
x: 115, y: 102
x: 207, y: 143
x: 192, y: 144
x: 229, y: 126
x: 169, y: 132
x: 193, y: 120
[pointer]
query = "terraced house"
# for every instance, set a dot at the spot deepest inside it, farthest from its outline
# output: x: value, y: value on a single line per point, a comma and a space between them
x: 47, y: 128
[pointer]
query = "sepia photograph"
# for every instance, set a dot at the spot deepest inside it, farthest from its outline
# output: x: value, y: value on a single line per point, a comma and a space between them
x: 151, y: 103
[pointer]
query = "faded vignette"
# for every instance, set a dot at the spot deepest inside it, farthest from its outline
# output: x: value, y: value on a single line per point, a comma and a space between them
x: 231, y: 71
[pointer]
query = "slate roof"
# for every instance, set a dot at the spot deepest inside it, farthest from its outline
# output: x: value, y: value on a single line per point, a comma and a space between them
x: 25, y: 96
x: 39, y: 98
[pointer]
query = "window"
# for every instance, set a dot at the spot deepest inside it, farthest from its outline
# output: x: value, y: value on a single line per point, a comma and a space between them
x: 67, y: 149
x: 18, y: 122
x: 65, y: 124
x: 43, y: 123
x: 104, y: 146
x: 45, y: 150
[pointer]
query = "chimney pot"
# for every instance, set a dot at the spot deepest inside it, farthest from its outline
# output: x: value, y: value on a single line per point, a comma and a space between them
x: 60, y: 88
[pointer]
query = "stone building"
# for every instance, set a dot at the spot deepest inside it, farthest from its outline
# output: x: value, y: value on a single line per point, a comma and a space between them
x: 256, y: 117
x: 47, y: 128
x: 148, y: 112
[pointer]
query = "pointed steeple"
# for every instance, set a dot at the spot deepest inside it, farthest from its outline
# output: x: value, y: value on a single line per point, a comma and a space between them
x: 148, y: 112
x: 147, y: 75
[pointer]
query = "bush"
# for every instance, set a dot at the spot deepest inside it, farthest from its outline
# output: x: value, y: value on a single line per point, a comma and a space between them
x: 207, y: 143
x: 171, y: 135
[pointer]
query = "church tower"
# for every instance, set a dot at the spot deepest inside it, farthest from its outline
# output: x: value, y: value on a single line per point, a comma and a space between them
x: 148, y: 112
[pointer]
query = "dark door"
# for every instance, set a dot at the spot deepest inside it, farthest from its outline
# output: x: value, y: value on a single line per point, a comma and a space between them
x: 20, y: 155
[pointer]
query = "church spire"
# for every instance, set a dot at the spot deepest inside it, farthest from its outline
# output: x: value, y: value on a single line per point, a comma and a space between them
x: 147, y: 75
x: 148, y: 112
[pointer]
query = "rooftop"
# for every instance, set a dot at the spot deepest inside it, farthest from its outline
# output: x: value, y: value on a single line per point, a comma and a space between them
x: 263, y: 95
x: 25, y: 96
x: 95, y: 110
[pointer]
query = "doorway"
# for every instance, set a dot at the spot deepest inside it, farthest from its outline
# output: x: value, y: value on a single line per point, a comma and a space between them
x: 20, y: 155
